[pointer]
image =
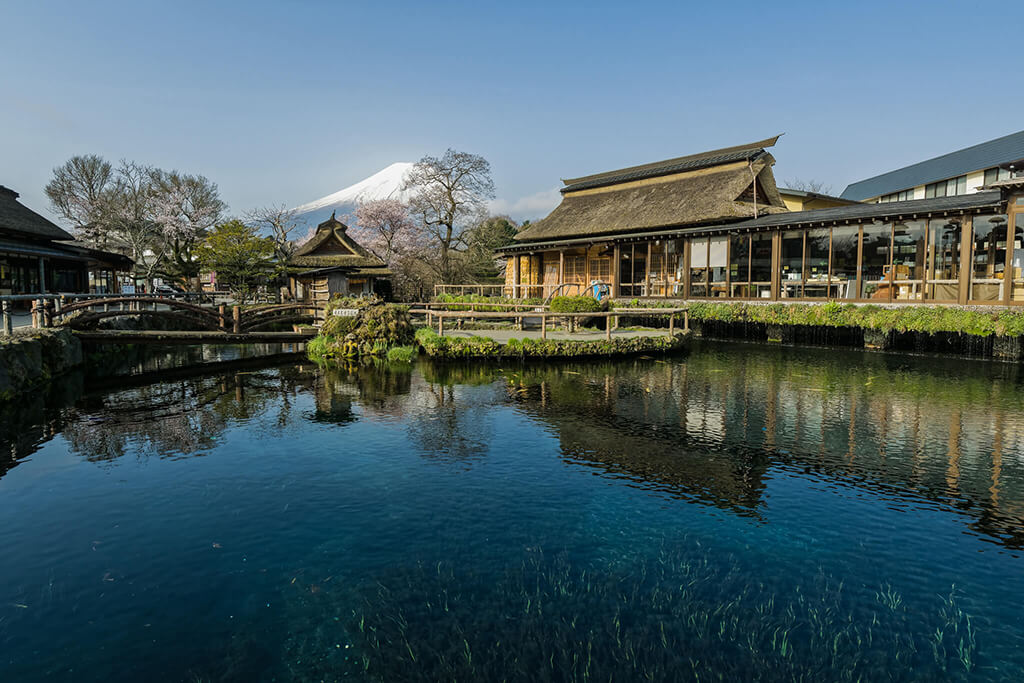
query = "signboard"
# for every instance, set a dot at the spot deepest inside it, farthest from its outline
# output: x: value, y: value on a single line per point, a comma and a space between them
x: 127, y: 289
x: 345, y: 312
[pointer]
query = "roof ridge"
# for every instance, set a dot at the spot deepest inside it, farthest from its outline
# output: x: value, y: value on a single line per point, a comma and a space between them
x: 655, y: 165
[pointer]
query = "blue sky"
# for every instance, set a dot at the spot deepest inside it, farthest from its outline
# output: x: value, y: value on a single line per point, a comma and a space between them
x: 286, y: 102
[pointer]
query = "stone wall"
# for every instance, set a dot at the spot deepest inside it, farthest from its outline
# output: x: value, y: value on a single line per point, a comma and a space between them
x: 31, y: 357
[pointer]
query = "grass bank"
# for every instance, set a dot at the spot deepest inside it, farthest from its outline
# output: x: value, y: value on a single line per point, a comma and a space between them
x: 439, y: 347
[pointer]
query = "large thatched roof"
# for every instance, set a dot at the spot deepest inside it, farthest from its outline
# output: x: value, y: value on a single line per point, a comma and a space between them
x: 709, y: 187
x: 331, y: 247
x: 17, y: 218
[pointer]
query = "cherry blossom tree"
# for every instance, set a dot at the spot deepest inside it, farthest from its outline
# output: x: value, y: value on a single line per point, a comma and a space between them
x: 187, y: 206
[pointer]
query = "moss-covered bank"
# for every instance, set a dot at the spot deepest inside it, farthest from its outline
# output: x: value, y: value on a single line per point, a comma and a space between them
x: 32, y: 357
x: 980, y: 322
x: 439, y: 347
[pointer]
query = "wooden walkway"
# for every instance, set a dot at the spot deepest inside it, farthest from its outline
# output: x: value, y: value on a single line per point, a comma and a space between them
x: 191, y: 337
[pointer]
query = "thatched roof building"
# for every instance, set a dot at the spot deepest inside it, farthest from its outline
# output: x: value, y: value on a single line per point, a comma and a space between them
x: 37, y: 256
x: 334, y: 263
x: 721, y: 185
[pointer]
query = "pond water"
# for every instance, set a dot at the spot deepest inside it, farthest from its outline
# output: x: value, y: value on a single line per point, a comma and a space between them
x: 741, y: 512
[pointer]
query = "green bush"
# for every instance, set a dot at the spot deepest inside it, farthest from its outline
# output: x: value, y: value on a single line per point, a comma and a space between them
x: 480, y: 347
x: 576, y: 304
x: 923, y: 319
x: 402, y: 354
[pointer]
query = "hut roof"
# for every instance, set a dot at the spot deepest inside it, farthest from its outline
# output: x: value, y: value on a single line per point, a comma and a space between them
x: 15, y: 217
x: 711, y: 187
x: 331, y: 247
x: 692, y: 162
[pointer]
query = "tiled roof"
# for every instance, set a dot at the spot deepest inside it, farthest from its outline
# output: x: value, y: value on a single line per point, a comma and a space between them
x: 1000, y: 151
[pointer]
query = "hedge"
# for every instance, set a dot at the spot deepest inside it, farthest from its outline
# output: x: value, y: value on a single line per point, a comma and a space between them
x: 576, y: 304
x: 481, y: 347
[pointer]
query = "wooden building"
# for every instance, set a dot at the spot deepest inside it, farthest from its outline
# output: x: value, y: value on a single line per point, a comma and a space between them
x: 334, y: 263
x: 38, y: 257
x: 691, y: 228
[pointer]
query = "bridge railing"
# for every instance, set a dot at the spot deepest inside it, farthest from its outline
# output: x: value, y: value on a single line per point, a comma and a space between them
x: 50, y: 309
x: 612, y: 317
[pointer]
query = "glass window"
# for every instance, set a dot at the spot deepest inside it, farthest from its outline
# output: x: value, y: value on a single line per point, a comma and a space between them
x: 739, y: 265
x: 844, y: 261
x: 761, y: 265
x: 994, y: 174
x: 874, y: 272
x: 947, y: 188
x: 631, y: 269
x: 1017, y: 259
x: 674, y: 260
x: 699, y: 267
x: 792, y: 264
x: 657, y: 264
x: 816, y: 264
x: 908, y: 260
x: 988, y: 259
x: 943, y: 260
x: 718, y: 263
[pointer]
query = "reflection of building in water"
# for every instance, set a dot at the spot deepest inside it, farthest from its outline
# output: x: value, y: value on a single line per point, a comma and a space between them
x: 711, y: 428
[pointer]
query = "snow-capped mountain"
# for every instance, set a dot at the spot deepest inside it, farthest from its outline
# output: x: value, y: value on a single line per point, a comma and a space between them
x: 385, y: 184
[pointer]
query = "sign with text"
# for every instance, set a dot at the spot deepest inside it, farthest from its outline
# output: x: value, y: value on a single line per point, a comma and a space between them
x: 345, y: 312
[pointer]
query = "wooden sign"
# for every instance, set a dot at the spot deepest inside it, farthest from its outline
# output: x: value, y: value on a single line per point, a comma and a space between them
x: 345, y: 312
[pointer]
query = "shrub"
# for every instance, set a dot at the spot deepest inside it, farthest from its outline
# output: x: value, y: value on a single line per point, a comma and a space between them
x: 402, y: 354
x: 576, y: 304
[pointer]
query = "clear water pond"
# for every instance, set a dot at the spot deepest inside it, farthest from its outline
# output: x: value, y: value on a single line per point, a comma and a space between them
x: 742, y: 512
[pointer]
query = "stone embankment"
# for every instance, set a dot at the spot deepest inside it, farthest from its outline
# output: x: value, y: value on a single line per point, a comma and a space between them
x: 29, y: 358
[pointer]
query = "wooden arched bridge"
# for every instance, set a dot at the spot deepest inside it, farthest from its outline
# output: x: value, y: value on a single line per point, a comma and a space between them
x: 171, y: 320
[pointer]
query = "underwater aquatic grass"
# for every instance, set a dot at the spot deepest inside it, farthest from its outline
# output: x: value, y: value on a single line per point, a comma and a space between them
x: 683, y: 612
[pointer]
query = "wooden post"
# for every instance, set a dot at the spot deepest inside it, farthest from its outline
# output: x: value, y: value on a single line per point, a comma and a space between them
x: 608, y: 328
x: 8, y: 327
x: 237, y: 315
x: 440, y: 325
x: 223, y: 318
x: 543, y: 325
x: 686, y: 321
x: 37, y: 311
x: 48, y: 313
x: 672, y: 324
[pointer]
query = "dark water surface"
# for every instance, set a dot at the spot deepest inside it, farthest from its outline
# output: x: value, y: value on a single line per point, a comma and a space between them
x: 744, y: 512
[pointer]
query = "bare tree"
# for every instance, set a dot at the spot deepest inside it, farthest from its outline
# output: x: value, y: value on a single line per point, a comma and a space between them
x: 129, y: 221
x: 77, y: 191
x: 280, y: 222
x: 449, y: 196
x: 815, y: 186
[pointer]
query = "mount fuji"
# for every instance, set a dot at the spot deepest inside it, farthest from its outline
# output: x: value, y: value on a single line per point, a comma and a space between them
x: 385, y: 184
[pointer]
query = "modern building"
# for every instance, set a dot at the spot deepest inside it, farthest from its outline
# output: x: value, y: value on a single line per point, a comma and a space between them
x: 714, y: 226
x: 331, y: 262
x: 805, y: 200
x: 962, y: 172
x: 38, y: 257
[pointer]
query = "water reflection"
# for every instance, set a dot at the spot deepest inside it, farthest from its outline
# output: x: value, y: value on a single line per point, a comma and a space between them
x: 711, y: 428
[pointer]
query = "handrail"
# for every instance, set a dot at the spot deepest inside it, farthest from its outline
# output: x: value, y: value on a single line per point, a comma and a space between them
x: 544, y: 315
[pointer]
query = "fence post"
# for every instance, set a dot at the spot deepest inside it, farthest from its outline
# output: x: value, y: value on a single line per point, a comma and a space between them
x: 8, y: 324
x: 48, y: 313
x: 543, y: 325
x: 237, y: 315
x: 608, y: 328
x: 37, y: 311
x: 222, y: 316
x: 440, y: 325
x: 686, y: 321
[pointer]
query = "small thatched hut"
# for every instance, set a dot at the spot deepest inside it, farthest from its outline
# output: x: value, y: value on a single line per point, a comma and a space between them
x: 334, y: 263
